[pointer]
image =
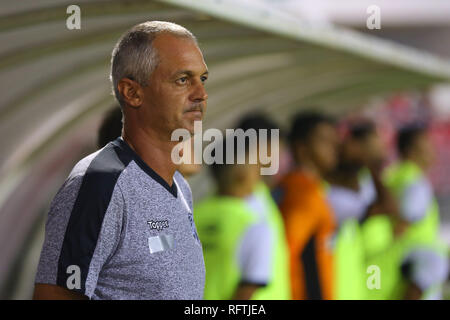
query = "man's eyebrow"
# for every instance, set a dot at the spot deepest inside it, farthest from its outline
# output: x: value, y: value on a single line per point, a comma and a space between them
x: 189, y: 73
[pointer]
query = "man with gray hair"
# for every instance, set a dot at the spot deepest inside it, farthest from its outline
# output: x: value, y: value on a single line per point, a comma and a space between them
x: 121, y: 226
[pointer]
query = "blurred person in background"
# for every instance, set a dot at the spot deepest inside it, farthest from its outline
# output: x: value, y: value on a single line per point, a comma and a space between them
x: 362, y: 206
x: 261, y: 201
x: 110, y: 127
x: 408, y: 181
x: 361, y: 159
x: 308, y: 219
x: 372, y: 229
x: 238, y: 243
x: 425, y: 257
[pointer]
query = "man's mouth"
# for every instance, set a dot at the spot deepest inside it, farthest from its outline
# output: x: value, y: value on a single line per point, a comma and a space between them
x: 196, y: 112
x: 193, y: 109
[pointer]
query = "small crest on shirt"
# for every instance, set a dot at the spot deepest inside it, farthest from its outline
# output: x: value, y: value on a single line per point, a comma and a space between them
x: 158, y: 224
x: 193, y: 229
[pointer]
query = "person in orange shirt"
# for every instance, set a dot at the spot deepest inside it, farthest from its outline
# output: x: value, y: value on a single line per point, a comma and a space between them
x: 307, y: 216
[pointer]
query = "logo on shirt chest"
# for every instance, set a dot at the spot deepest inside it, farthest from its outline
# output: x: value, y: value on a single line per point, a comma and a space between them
x: 158, y: 224
x: 193, y: 229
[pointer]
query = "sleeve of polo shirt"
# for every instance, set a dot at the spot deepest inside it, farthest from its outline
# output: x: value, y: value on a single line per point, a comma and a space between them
x: 82, y: 231
x: 415, y: 200
x: 427, y: 268
x: 255, y: 254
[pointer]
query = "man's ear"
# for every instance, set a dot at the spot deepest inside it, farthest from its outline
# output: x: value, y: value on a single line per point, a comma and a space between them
x: 131, y: 92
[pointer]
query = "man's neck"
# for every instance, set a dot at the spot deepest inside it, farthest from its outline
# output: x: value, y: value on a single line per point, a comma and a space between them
x: 347, y: 179
x: 417, y: 162
x: 153, y: 149
x: 346, y: 176
x: 310, y: 169
x: 237, y: 191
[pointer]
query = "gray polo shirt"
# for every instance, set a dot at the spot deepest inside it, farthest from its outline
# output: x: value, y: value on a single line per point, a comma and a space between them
x: 117, y: 230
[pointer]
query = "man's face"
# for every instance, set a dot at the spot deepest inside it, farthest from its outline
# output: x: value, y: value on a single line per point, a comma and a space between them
x: 322, y: 146
x: 364, y: 152
x: 247, y: 176
x: 175, y: 96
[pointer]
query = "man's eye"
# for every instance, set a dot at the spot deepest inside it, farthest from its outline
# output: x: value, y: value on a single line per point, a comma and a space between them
x: 181, y: 80
x: 204, y: 78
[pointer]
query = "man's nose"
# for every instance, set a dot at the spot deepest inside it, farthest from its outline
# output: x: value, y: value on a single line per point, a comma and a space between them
x: 199, y: 92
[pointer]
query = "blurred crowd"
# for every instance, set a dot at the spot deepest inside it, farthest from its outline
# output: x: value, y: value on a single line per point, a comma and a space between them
x: 340, y: 219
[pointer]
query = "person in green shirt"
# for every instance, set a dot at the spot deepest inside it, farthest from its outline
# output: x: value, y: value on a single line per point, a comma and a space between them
x: 261, y: 201
x: 360, y: 203
x: 237, y: 240
x: 425, y: 257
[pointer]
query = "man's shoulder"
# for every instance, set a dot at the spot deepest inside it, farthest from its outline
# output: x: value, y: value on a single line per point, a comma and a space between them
x: 298, y: 180
x: 103, y: 162
x: 97, y: 173
x: 299, y: 191
x: 80, y: 168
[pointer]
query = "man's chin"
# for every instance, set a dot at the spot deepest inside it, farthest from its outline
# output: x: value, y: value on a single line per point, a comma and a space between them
x: 190, y: 123
x: 190, y: 126
x: 193, y: 116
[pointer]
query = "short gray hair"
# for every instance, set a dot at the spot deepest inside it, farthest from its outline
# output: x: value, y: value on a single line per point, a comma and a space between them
x: 135, y: 58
